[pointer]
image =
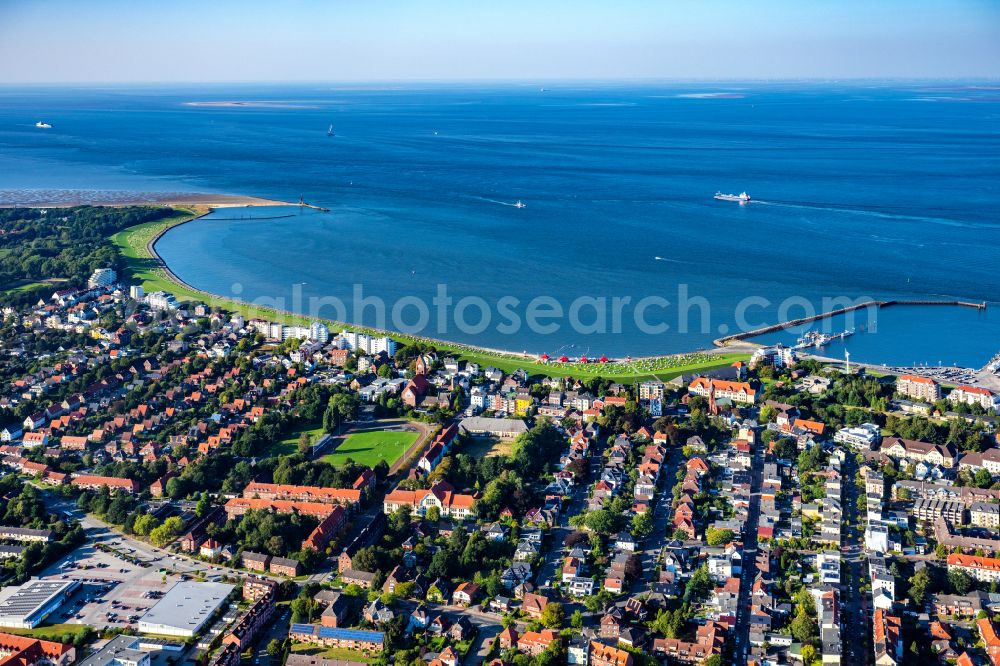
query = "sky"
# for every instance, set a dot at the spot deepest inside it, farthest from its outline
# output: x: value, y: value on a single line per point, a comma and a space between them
x: 163, y: 41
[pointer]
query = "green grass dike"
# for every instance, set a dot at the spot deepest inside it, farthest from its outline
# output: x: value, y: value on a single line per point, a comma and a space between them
x: 143, y: 266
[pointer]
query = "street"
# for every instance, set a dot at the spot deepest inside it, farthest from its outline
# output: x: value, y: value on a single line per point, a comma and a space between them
x: 742, y: 633
x: 854, y: 627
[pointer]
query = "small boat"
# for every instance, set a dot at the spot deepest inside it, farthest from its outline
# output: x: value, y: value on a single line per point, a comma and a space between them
x: 742, y: 197
x: 42, y: 125
x: 329, y: 132
x: 519, y: 204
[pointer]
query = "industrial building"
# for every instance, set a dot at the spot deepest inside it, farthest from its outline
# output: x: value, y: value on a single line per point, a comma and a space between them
x: 185, y: 609
x: 26, y: 606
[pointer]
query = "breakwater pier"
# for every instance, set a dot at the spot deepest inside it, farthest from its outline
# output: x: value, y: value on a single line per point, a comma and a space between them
x: 745, y: 335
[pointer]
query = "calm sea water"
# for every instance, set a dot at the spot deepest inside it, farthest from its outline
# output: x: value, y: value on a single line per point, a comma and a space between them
x: 883, y: 191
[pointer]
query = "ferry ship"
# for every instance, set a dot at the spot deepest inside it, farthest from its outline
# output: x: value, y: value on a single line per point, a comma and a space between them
x: 742, y: 197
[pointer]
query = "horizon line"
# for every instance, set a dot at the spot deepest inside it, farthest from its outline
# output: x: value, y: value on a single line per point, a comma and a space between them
x: 518, y: 81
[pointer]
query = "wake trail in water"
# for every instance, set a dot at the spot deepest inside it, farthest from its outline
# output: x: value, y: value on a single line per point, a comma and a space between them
x: 858, y: 211
x: 497, y: 201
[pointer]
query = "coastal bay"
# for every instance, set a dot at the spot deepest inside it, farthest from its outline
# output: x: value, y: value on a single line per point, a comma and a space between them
x: 617, y: 185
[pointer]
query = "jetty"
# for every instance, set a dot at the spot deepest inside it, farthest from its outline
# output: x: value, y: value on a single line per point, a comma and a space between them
x: 303, y: 204
x: 736, y: 337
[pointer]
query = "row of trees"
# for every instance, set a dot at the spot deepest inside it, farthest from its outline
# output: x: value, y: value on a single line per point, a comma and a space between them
x: 24, y: 508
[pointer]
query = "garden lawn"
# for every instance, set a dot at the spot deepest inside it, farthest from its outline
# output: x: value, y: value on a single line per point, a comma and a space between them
x: 368, y: 448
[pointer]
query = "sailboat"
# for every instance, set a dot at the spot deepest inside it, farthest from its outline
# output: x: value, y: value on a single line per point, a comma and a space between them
x: 329, y: 132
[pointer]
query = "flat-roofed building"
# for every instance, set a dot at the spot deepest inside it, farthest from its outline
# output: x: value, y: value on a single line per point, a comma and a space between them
x: 119, y: 651
x: 26, y: 606
x: 185, y: 609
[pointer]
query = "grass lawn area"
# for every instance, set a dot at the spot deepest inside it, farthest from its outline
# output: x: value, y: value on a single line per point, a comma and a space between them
x: 342, y: 654
x: 141, y: 267
x: 290, y: 444
x: 484, y: 447
x: 368, y: 448
x: 53, y: 632
x: 19, y: 286
x: 25, y: 287
x: 663, y: 368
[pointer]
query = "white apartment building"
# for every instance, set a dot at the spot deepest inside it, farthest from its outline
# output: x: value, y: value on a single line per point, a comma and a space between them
x: 973, y: 395
x: 102, y: 277
x: 863, y: 436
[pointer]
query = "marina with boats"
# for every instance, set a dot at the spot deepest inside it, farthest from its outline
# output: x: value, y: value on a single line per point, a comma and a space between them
x: 818, y: 340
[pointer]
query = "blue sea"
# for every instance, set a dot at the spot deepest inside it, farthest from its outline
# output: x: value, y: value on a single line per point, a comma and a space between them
x: 887, y: 190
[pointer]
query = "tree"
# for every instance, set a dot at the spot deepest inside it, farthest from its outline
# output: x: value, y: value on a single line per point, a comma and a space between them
x: 305, y: 443
x: 785, y: 448
x: 983, y: 479
x: 808, y: 654
x: 553, y: 616
x: 203, y: 507
x: 274, y: 647
x: 303, y: 607
x: 803, y: 626
x: 341, y: 407
x: 919, y: 584
x: 804, y: 629
x: 601, y: 521
x: 698, y: 586
x: 145, y: 524
x: 166, y: 532
x: 718, y: 537
x: 960, y: 581
x: 576, y: 620
x: 642, y: 524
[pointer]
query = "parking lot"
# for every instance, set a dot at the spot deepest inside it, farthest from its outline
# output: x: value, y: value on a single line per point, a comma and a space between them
x: 115, y: 592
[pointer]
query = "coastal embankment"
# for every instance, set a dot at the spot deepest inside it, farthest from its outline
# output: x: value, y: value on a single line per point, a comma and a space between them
x: 146, y: 267
x: 746, y: 335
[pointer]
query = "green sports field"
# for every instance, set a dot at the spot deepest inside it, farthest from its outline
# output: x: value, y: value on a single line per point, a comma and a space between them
x: 368, y: 448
